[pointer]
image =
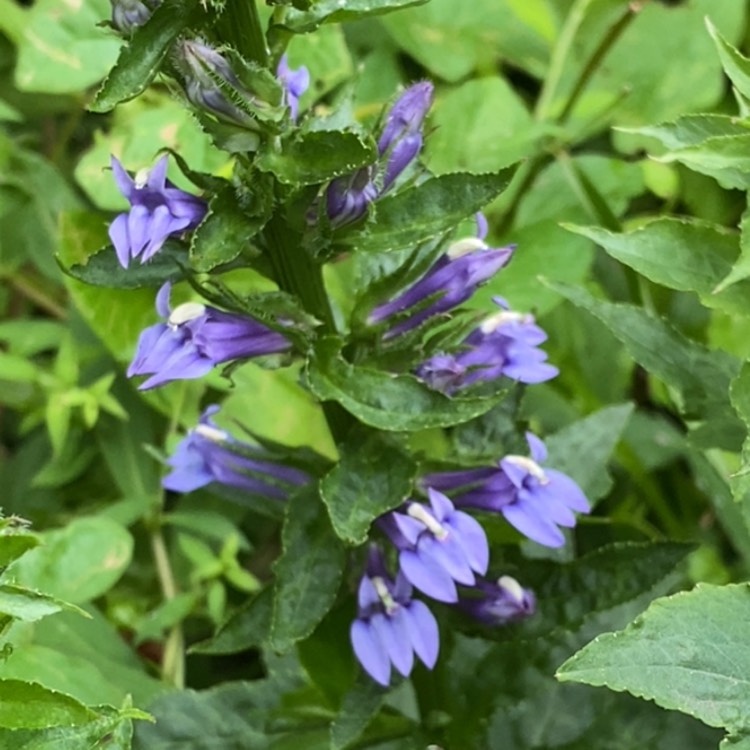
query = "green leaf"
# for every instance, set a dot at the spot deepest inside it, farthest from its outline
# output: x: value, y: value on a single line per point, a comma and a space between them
x: 30, y: 606
x: 317, y: 156
x: 62, y: 49
x: 395, y: 403
x: 415, y: 214
x: 681, y: 254
x: 77, y: 563
x: 372, y: 477
x: 736, y: 65
x: 103, y: 269
x: 25, y: 705
x: 583, y: 448
x: 308, y: 573
x: 700, y: 376
x: 687, y: 652
x: 141, y: 58
x: 691, y: 130
x: 246, y: 628
x: 741, y: 268
x: 13, y: 545
x: 336, y: 11
x: 358, y: 708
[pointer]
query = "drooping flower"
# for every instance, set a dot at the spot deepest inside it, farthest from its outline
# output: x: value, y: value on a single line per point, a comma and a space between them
x: 451, y: 280
x: 500, y: 602
x: 128, y: 15
x: 535, y: 500
x: 158, y: 211
x: 294, y: 83
x: 194, y: 338
x: 209, y: 454
x: 506, y: 343
x: 391, y: 626
x: 438, y: 545
x: 399, y: 144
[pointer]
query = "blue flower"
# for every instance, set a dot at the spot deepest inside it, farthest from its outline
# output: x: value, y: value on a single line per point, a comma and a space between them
x: 505, y: 344
x: 195, y: 338
x: 158, y: 210
x: 535, y: 500
x: 391, y: 626
x: 128, y: 15
x: 451, y: 280
x: 439, y: 546
x: 209, y: 454
x: 500, y: 602
x: 294, y: 83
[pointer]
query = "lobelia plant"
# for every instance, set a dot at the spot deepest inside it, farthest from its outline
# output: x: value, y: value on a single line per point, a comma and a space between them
x: 408, y: 576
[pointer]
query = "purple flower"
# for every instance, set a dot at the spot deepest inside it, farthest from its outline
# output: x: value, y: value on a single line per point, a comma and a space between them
x: 209, y: 454
x: 294, y: 83
x: 401, y: 139
x: 158, y: 210
x: 439, y: 546
x: 451, y: 280
x: 391, y: 626
x: 400, y: 142
x: 506, y: 344
x: 128, y: 15
x: 534, y: 500
x: 195, y: 338
x: 501, y: 602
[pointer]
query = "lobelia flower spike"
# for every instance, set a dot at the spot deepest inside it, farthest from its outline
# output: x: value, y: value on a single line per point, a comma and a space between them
x: 399, y: 144
x: 506, y: 344
x: 158, y: 211
x: 391, y: 626
x: 500, y: 602
x: 195, y: 338
x: 438, y: 545
x: 451, y: 280
x: 209, y: 454
x: 535, y: 500
x: 294, y: 83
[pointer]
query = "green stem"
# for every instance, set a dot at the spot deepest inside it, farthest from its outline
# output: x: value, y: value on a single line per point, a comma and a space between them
x: 35, y: 294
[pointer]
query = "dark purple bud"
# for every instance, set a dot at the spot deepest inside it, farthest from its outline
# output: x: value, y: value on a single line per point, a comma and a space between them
x: 391, y: 626
x: 209, y: 454
x: 294, y: 83
x: 347, y: 198
x: 128, y: 15
x: 500, y: 603
x: 195, y: 338
x: 158, y: 211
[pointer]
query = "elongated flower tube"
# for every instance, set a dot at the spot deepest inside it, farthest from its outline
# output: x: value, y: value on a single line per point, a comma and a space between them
x: 294, y: 83
x: 158, y: 211
x: 194, y: 338
x: 399, y: 144
x: 537, y: 501
x: 391, y: 626
x: 209, y: 454
x: 451, y: 280
x: 504, y: 344
x: 500, y: 602
x: 438, y: 545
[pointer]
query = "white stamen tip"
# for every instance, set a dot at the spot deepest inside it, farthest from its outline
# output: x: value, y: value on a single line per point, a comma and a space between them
x: 530, y: 465
x: 491, y: 324
x: 512, y: 586
x: 466, y: 246
x: 421, y: 514
x: 390, y: 604
x: 185, y: 313
x: 212, y: 433
x: 141, y: 178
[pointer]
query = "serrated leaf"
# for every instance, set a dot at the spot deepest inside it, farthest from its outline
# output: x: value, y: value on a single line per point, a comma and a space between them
x: 736, y: 65
x: 682, y: 254
x: 12, y: 546
x: 395, y: 403
x: 246, y: 628
x: 27, y: 705
x: 308, y: 572
x: 141, y: 57
x: 687, y: 652
x: 583, y: 448
x: 336, y: 11
x: 27, y: 605
x: 372, y: 477
x: 418, y: 213
x: 701, y: 377
x: 317, y: 156
x: 691, y: 130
